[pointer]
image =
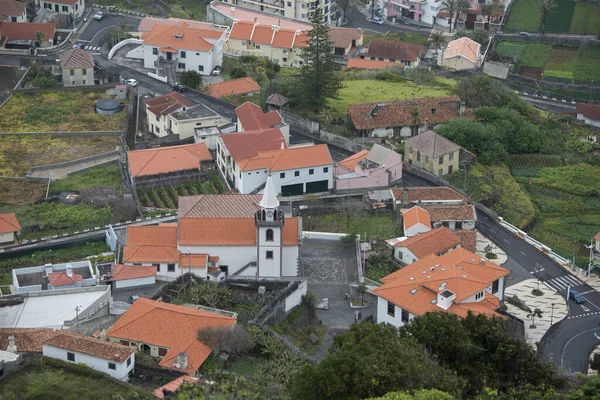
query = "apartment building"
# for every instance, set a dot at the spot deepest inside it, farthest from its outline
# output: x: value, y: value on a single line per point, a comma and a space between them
x: 297, y: 9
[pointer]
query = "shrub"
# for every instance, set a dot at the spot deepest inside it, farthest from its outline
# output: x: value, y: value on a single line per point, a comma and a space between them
x: 211, y: 294
x: 389, y: 77
x: 191, y: 79
x: 237, y: 72
x: 235, y: 341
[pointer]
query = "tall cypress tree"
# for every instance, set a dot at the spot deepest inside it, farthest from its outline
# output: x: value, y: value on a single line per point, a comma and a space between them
x: 318, y: 76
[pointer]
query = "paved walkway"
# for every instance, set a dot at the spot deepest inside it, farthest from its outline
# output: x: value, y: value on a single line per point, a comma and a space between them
x: 549, y: 317
x: 61, y: 171
x: 481, y: 244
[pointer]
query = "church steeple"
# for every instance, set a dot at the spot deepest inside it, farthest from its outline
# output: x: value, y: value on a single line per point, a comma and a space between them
x: 269, y: 199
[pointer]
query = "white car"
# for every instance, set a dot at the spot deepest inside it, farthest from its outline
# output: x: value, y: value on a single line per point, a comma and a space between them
x: 99, y: 15
x: 377, y: 21
x: 131, y: 82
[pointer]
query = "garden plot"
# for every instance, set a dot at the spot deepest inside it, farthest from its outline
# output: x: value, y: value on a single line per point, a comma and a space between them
x: 570, y: 16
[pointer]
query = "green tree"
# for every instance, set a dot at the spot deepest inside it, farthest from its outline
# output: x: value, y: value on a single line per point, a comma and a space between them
x: 547, y: 7
x: 319, y: 78
x: 414, y: 117
x: 218, y: 386
x: 461, y: 7
x: 437, y: 40
x: 43, y: 81
x: 211, y: 294
x: 537, y: 313
x: 589, y: 389
x: 451, y: 7
x: 237, y: 72
x: 480, y: 36
x: 191, y: 79
x: 40, y: 36
x: 371, y: 360
x: 425, y: 394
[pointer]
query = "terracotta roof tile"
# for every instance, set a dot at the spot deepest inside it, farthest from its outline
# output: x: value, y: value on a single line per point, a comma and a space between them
x: 431, y: 144
x: 284, y: 38
x: 451, y: 212
x: 169, y: 326
x: 244, y: 14
x: 150, y: 254
x: 301, y: 40
x: 9, y: 223
x: 247, y: 144
x: 61, y: 278
x: 253, y: 118
x: 263, y: 34
x: 27, y: 340
x: 163, y: 234
x: 343, y: 37
x: 25, y: 31
x: 148, y: 23
x: 12, y: 8
x: 241, y: 30
x: 233, y: 87
x: 173, y: 386
x: 93, y: 347
x: 464, y: 47
x: 76, y: 59
x: 394, y: 50
x: 415, y: 215
x: 181, y: 37
x: 124, y: 272
x: 193, y: 261
x: 428, y: 193
x: 415, y: 286
x: 370, y: 64
x: 163, y: 160
x: 350, y: 162
x: 167, y: 103
x: 219, y: 206
x: 290, y: 158
x: 436, y: 241
x: 468, y: 239
x: 590, y: 111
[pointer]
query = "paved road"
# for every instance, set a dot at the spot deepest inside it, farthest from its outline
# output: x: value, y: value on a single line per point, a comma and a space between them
x: 95, y: 31
x: 549, y: 105
x: 358, y: 20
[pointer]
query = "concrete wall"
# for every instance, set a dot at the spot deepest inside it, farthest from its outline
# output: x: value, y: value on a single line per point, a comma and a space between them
x: 459, y: 63
x: 78, y: 77
x: 139, y: 50
x: 383, y: 316
x: 295, y: 298
x: 496, y: 69
x: 8, y: 237
x: 415, y: 230
x: 127, y: 283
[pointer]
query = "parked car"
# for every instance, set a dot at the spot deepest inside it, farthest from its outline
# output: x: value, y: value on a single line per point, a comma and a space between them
x: 78, y: 46
x: 179, y: 88
x: 377, y: 21
x: 217, y: 70
x: 524, y: 34
x: 131, y: 82
x: 99, y: 15
x: 576, y: 297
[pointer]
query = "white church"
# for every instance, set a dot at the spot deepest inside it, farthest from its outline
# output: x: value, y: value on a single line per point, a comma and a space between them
x: 219, y: 235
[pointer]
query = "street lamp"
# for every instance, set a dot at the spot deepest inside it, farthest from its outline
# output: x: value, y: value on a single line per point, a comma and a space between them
x: 591, y: 248
x: 552, y: 314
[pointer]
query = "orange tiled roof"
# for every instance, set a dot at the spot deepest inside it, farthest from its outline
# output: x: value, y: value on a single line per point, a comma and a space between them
x: 233, y: 87
x: 124, y: 272
x: 12, y: 8
x: 350, y: 162
x: 253, y: 118
x: 416, y: 215
x: 284, y: 38
x: 468, y: 239
x: 228, y: 205
x: 218, y: 232
x: 148, y: 23
x: 290, y: 158
x: 263, y: 34
x: 93, y: 347
x: 25, y: 30
x: 427, y: 193
x: 465, y: 274
x: 151, y: 244
x: 241, y: 30
x: 76, y: 59
x: 193, y: 261
x: 370, y: 64
x: 343, y: 37
x: 27, y: 340
x: 451, y: 212
x: 150, y: 254
x: 167, y: 103
x: 169, y: 326
x: 464, y: 47
x: 163, y: 160
x: 9, y: 223
x: 396, y: 50
x: 247, y: 144
x: 61, y: 278
x: 590, y: 111
x: 173, y: 386
x: 436, y: 241
x: 181, y: 37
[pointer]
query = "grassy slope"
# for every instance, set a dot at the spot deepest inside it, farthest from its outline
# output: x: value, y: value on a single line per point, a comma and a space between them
x: 364, y: 91
x: 525, y: 15
x: 560, y: 62
x: 105, y: 175
x: 586, y: 19
x: 560, y: 20
x: 21, y: 192
x: 587, y: 64
x: 527, y: 54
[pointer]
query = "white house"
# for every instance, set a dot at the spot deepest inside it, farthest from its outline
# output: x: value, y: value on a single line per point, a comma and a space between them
x: 53, y: 276
x: 110, y: 358
x: 452, y: 216
x: 127, y: 276
x: 251, y: 117
x: 187, y: 122
x: 159, y: 108
x: 457, y: 281
x: 589, y: 113
x: 184, y: 47
x: 13, y: 11
x: 437, y: 241
x: 462, y: 54
x: 9, y: 228
x: 415, y: 221
x: 74, y: 8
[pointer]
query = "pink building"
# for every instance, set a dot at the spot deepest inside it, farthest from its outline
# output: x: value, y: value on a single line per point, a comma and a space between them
x: 369, y: 169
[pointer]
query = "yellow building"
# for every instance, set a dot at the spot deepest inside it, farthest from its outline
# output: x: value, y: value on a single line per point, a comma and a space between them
x: 432, y: 152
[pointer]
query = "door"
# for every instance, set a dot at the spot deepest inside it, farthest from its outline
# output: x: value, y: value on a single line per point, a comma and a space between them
x: 224, y: 268
x: 292, y: 190
x: 450, y: 169
x: 169, y: 56
x: 316, y: 187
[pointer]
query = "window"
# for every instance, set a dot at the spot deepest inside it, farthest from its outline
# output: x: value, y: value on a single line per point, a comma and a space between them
x: 303, y: 6
x: 84, y: 71
x: 311, y: 171
x: 157, y: 267
x: 182, y: 54
x: 170, y: 267
x: 83, y: 82
x: 380, y: 58
x: 441, y: 160
x: 200, y: 68
x: 410, y: 149
x: 282, y: 175
x: 405, y: 315
x: 450, y: 156
x: 441, y: 172
x: 433, y: 111
x: 284, y: 51
x: 181, y: 65
x: 257, y: 46
x: 303, y: 15
x: 157, y: 118
x: 479, y: 296
x: 426, y: 159
x: 284, y: 59
x: 76, y: 7
x: 391, y: 309
x: 418, y: 155
x: 400, y: 255
x: 72, y: 72
x: 495, y: 286
x: 70, y: 356
x: 112, y: 366
x: 270, y: 235
x: 243, y: 42
x: 392, y: 60
x: 449, y: 169
x: 325, y: 169
x: 269, y: 255
x: 13, y: 19
x: 65, y: 9
x: 289, y: 3
x: 73, y: 83
x: 373, y: 58
x: 155, y: 50
x: 296, y: 173
x: 129, y: 361
x: 125, y: 342
x: 162, y: 351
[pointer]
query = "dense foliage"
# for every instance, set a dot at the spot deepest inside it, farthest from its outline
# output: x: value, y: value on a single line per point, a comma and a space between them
x: 481, y: 90
x: 191, y: 79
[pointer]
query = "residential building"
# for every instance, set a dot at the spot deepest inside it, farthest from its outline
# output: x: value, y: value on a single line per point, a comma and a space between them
x: 173, y: 386
x: 218, y: 235
x: 128, y: 276
x: 432, y: 152
x: 293, y: 9
x: 415, y: 220
x: 148, y: 23
x: 396, y: 52
x: 159, y: 108
x: 234, y: 87
x: 362, y: 63
x: 167, y: 331
x: 9, y: 229
x: 77, y: 67
x: 73, y: 8
x: 345, y: 39
x: 13, y: 11
x: 251, y: 117
x: 426, y: 195
x: 457, y: 281
x: 182, y: 48
x: 452, y: 216
x: 25, y: 341
x: 17, y: 35
x: 462, y: 54
x: 53, y: 277
x: 369, y: 169
x: 405, y: 118
x: 589, y: 113
x: 171, y: 160
x: 197, y: 119
x: 407, y: 250
x: 110, y: 358
x: 9, y: 362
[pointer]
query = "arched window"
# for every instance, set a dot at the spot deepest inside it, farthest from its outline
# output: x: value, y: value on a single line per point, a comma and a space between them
x: 269, y: 235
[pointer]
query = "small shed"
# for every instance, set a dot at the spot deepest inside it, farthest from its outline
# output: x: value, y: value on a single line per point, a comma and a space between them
x: 277, y: 101
x: 121, y: 91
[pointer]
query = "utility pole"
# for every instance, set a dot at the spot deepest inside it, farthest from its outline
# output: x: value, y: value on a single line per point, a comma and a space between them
x: 552, y: 315
x: 591, y: 248
x: 77, y: 318
x: 372, y: 9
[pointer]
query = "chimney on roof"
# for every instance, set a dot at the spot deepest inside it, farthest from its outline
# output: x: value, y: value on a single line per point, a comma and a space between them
x: 69, y: 271
x: 232, y: 9
x: 426, y: 124
x: 48, y: 269
x: 482, y: 261
x: 462, y: 108
x: 275, y: 27
x: 11, y: 348
x: 405, y: 196
x: 445, y: 299
x: 182, y: 360
x: 255, y: 19
x: 282, y: 145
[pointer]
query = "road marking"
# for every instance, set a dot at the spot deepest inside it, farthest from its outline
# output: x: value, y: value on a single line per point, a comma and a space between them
x: 522, y: 252
x: 562, y: 282
x: 85, y: 41
x: 562, y: 357
x: 585, y: 308
x: 597, y: 337
x: 588, y: 292
x: 598, y: 308
x: 506, y: 241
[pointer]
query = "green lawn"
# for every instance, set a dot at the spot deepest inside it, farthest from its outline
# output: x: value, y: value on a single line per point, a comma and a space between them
x: 586, y: 19
x: 105, y: 175
x: 526, y: 54
x: 364, y: 91
x: 587, y: 64
x: 560, y: 62
x: 525, y: 15
x: 560, y: 20
x: 383, y: 224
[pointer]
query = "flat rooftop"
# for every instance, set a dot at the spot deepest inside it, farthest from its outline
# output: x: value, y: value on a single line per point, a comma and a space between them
x: 199, y: 111
x: 37, y: 278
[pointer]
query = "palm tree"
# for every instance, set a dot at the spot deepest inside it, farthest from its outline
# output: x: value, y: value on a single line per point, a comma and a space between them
x: 547, y: 7
x: 40, y: 36
x: 450, y: 7
x: 491, y: 10
x: 437, y: 39
x: 461, y: 6
x: 537, y: 313
x: 415, y: 114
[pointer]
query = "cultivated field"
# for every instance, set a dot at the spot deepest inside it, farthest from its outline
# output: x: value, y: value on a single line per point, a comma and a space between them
x: 21, y: 192
x: 570, y: 16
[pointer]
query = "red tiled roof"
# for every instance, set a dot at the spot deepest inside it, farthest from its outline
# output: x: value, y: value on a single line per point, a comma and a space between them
x: 290, y: 158
x: 233, y: 87
x: 350, y: 162
x: 61, y: 278
x: 451, y: 212
x: 163, y: 160
x: 169, y: 326
x: 370, y: 64
x: 468, y: 239
x: 219, y: 206
x: 88, y: 345
x: 12, y: 8
x: 181, y: 37
x: 148, y: 23
x: 252, y: 117
x: 27, y: 340
x: 427, y: 193
x: 167, y: 103
x: 394, y: 50
x: 9, y: 223
x: 263, y: 34
x: 464, y: 47
x: 284, y: 38
x: 151, y: 244
x: 416, y: 286
x: 25, y: 30
x: 247, y: 15
x: 248, y: 144
x: 76, y: 59
x: 343, y: 37
x: 124, y: 272
x: 590, y: 111
x: 415, y: 215
x: 241, y: 30
x: 173, y: 386
x: 436, y: 241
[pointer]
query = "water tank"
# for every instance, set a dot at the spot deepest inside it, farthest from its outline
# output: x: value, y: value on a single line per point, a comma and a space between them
x: 108, y: 106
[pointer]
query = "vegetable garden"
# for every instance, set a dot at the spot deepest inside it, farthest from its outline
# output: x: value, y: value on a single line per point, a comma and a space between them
x: 570, y: 16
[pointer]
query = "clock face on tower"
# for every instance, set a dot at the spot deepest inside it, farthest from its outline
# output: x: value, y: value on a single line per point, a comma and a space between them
x: 269, y: 214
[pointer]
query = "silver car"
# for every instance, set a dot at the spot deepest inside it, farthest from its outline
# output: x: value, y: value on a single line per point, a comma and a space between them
x: 99, y: 15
